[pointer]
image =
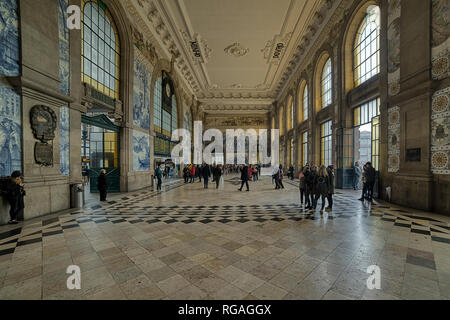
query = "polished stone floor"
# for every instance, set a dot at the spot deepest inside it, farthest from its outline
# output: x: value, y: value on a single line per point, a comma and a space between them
x: 191, y: 243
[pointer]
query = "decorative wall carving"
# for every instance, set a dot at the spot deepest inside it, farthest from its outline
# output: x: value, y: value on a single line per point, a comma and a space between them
x: 145, y: 47
x: 394, y: 139
x: 236, y: 50
x: 10, y: 132
x: 440, y: 132
x: 440, y: 39
x: 43, y: 124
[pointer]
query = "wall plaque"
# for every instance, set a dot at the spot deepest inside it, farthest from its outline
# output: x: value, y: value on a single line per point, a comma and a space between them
x: 43, y: 123
x: 43, y: 154
x: 413, y: 155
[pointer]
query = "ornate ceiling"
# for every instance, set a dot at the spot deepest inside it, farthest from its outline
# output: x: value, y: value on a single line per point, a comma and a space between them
x: 234, y: 55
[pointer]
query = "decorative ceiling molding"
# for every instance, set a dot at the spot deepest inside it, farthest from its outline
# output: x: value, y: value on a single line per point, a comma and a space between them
x: 157, y: 19
x: 236, y: 50
x: 275, y: 48
x: 198, y: 47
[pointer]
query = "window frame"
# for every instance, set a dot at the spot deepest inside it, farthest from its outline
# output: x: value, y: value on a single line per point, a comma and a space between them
x: 326, y: 79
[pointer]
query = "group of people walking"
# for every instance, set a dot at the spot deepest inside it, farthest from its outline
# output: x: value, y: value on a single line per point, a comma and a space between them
x: 205, y: 171
x: 316, y: 183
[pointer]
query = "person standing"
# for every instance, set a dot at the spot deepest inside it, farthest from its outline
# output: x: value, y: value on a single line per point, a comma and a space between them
x: 310, y: 185
x: 244, y: 177
x: 321, y: 187
x: 192, y: 174
x: 158, y: 174
x: 217, y: 173
x: 356, y: 175
x: 364, y: 181
x: 102, y: 185
x: 205, y: 173
x: 330, y: 172
x: 370, y: 180
x: 302, y: 185
x: 14, y: 194
x: 291, y: 172
x: 280, y: 181
x: 250, y: 172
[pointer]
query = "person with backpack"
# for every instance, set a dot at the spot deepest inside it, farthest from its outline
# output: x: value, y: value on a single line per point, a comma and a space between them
x: 205, y: 172
x: 330, y: 171
x: 321, y: 187
x: 370, y: 180
x: 14, y: 194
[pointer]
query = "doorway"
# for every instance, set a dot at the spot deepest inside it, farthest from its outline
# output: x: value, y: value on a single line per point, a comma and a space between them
x: 100, y: 150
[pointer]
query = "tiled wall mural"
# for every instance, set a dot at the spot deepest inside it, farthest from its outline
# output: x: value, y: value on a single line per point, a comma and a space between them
x: 64, y: 141
x: 440, y: 39
x: 64, y: 55
x: 10, y: 132
x: 394, y: 12
x: 9, y: 38
x: 141, y: 151
x: 440, y: 131
x: 394, y: 139
x: 141, y: 92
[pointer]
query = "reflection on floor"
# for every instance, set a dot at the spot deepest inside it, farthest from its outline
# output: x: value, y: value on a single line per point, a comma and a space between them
x: 191, y: 243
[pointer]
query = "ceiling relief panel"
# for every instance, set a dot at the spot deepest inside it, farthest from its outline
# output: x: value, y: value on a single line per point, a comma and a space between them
x: 236, y: 50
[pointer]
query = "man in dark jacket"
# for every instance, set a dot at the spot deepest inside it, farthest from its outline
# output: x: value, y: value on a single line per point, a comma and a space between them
x: 244, y: 177
x: 158, y: 174
x: 205, y: 173
x: 370, y: 180
x: 217, y: 173
x: 102, y: 185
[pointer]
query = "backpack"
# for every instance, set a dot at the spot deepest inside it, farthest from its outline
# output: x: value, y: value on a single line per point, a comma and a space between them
x: 322, y: 186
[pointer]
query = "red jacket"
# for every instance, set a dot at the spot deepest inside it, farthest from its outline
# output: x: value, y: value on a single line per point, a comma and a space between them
x: 250, y: 173
x: 193, y: 171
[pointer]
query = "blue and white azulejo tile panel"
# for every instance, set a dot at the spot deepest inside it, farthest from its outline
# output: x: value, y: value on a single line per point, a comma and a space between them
x: 141, y: 94
x: 141, y: 151
x: 64, y: 140
x: 10, y: 132
x: 64, y: 54
x: 9, y: 38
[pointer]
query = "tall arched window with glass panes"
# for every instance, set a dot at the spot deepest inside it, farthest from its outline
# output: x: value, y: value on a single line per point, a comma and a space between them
x: 305, y: 103
x: 165, y: 115
x: 366, y: 49
x: 326, y: 84
x: 100, y: 47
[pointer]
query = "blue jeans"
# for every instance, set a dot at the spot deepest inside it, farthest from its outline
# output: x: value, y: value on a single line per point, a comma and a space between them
x: 356, y: 181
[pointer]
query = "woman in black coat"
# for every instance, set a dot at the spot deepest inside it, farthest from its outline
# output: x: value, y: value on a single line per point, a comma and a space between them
x: 102, y: 185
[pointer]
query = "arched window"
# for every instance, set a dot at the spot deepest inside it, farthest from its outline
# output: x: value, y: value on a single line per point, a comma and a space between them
x: 290, y: 105
x: 326, y: 84
x: 366, y: 49
x: 100, y: 49
x: 281, y: 118
x: 305, y: 103
x: 165, y: 114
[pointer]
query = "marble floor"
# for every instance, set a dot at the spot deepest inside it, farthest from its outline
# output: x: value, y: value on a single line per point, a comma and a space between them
x: 191, y: 243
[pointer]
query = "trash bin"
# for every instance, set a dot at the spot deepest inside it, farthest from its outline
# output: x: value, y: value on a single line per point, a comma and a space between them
x: 76, y: 196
